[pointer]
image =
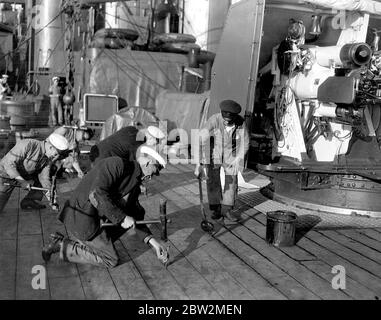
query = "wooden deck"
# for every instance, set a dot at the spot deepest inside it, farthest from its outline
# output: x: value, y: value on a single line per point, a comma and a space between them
x: 235, y: 262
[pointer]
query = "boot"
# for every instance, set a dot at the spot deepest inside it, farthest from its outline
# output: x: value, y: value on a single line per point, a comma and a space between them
x: 216, y: 214
x: 27, y: 204
x: 230, y: 216
x: 53, y: 246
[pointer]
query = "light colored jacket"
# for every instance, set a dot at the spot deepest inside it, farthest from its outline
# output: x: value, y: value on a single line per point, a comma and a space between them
x: 227, y: 145
x: 27, y: 159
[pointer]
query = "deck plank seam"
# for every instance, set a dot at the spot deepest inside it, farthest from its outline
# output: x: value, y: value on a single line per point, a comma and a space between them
x: 334, y: 253
x: 137, y: 269
x: 299, y: 261
x: 227, y: 229
x: 190, y: 263
x: 43, y: 243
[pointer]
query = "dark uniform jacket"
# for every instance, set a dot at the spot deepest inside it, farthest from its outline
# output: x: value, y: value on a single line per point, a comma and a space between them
x: 122, y: 143
x: 109, y: 181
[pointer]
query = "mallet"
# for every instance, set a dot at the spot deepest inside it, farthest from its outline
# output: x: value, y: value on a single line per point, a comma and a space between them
x: 163, y: 220
x: 30, y: 187
x: 52, y: 189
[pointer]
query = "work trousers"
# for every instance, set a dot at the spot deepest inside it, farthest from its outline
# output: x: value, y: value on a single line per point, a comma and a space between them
x: 6, y: 192
x: 56, y: 110
x: 68, y: 112
x: 218, y: 197
x: 99, y: 251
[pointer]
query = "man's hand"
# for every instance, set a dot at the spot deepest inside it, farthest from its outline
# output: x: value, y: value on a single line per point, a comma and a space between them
x: 161, y: 252
x: 24, y: 184
x: 128, y: 222
x: 235, y: 166
x: 54, y: 206
x: 200, y: 171
x: 197, y: 170
x: 80, y: 174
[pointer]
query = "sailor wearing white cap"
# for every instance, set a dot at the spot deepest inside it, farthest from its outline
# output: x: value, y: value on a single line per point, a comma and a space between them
x: 110, y: 191
x: 155, y: 133
x: 125, y: 142
x: 56, y: 111
x: 148, y: 152
x: 28, y: 163
x: 58, y: 141
x: 150, y: 162
x: 4, y: 87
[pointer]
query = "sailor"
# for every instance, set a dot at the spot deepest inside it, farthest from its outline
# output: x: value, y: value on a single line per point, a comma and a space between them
x: 125, y: 142
x: 109, y: 192
x: 4, y: 87
x: 74, y: 136
x: 55, y: 103
x: 28, y: 163
x: 228, y: 138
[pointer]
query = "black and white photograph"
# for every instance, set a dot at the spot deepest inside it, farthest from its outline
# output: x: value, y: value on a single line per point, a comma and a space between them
x: 190, y: 157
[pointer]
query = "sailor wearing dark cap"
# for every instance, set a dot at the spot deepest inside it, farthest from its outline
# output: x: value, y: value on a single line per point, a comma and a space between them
x: 28, y: 163
x: 228, y: 138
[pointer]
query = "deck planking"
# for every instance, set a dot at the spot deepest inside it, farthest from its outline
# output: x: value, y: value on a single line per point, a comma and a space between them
x: 234, y: 262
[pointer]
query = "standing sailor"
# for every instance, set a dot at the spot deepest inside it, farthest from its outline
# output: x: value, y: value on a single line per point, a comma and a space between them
x: 55, y: 103
x: 4, y: 87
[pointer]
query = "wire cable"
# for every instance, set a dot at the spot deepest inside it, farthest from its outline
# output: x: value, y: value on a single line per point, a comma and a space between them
x: 28, y: 39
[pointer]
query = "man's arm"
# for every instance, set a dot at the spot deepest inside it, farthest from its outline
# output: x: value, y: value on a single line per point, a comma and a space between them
x: 44, y: 177
x: 61, y: 130
x: 3, y: 89
x: 101, y: 196
x: 46, y: 182
x: 205, y: 134
x: 14, y: 157
x: 243, y: 148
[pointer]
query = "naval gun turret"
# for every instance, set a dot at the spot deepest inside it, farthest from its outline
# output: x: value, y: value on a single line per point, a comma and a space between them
x: 309, y: 74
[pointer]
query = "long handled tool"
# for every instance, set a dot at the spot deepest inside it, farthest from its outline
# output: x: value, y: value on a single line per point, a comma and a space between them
x: 30, y: 188
x: 206, y: 225
x: 162, y: 221
x: 52, y: 190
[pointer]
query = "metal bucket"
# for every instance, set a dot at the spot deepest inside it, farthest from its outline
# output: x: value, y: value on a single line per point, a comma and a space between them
x: 280, y: 228
x: 20, y: 111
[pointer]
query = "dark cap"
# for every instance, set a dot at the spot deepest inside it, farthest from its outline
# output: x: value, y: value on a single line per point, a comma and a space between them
x: 230, y: 106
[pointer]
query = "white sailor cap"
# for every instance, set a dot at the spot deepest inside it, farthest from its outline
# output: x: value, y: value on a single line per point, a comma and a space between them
x: 5, y: 76
x: 58, y: 141
x: 155, y: 132
x: 145, y: 151
x: 55, y: 78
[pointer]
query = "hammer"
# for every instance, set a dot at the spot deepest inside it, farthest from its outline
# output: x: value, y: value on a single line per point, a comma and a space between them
x: 52, y: 190
x: 163, y: 220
